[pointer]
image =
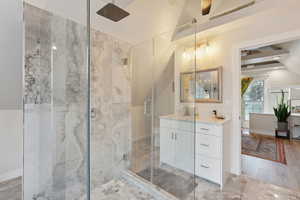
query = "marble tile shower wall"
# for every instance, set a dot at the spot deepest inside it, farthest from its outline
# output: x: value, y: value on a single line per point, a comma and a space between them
x: 111, y: 101
x: 55, y: 107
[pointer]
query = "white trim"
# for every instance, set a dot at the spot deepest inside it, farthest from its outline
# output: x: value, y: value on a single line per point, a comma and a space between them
x: 265, y: 41
x: 11, y: 175
x: 263, y: 132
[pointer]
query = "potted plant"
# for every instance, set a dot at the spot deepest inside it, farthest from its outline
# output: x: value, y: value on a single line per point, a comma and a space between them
x: 282, y: 112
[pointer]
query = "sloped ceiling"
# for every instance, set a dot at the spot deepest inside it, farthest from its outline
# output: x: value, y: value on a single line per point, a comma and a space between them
x: 292, y: 62
x: 147, y: 17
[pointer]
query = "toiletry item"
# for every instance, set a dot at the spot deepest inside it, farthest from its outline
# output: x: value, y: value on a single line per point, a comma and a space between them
x: 214, y: 113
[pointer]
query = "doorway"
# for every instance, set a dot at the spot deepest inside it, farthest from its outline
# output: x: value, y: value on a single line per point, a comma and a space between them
x: 267, y: 79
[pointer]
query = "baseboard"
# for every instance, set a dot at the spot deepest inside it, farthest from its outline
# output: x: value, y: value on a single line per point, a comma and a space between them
x: 263, y: 132
x: 11, y: 175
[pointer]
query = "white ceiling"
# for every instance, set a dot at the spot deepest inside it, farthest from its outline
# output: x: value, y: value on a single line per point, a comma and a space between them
x: 292, y: 62
x: 147, y: 17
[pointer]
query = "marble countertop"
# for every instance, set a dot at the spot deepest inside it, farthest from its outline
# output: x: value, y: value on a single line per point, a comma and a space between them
x: 197, y: 119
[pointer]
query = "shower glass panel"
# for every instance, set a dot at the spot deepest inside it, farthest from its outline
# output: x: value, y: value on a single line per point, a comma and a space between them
x: 55, y: 101
x: 142, y: 60
x: 163, y: 128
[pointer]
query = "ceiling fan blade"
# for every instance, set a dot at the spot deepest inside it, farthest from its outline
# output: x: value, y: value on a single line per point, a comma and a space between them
x: 206, y: 6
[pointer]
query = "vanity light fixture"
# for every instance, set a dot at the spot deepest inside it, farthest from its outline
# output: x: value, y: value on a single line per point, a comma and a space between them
x: 186, y: 55
x: 54, y: 47
x: 200, y: 51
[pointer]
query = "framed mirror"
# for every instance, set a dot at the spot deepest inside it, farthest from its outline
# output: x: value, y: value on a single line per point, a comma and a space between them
x: 208, y: 86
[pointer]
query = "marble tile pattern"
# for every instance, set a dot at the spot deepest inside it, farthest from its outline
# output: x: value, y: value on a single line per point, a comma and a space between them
x: 56, y: 79
x: 237, y: 188
x: 55, y: 106
x: 120, y: 189
x: 111, y: 102
x: 242, y: 188
x: 37, y: 70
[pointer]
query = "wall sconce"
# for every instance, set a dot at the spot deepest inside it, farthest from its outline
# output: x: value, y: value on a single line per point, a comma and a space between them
x: 200, y: 51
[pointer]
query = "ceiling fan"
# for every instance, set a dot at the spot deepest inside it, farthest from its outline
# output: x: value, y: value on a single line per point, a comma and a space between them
x: 237, y: 5
x: 206, y: 6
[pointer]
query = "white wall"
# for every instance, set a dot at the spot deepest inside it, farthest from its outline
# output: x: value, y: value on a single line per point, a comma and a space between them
x: 254, y: 29
x: 11, y: 54
x: 258, y: 29
x: 10, y: 144
x: 276, y: 80
x: 10, y: 88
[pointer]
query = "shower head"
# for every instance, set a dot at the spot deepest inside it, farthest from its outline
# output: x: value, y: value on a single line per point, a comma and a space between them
x: 112, y: 12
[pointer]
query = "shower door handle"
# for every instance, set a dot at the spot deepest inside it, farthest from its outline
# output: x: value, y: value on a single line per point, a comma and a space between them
x: 93, y: 113
x: 147, y: 107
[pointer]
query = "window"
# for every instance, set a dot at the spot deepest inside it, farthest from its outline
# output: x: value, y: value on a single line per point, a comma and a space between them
x: 254, y: 98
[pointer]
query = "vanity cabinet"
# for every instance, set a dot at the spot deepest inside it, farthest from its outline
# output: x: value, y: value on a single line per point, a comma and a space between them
x: 199, y: 148
x: 176, y: 148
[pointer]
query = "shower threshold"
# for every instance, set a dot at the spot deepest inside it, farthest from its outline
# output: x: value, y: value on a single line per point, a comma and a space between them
x: 157, y: 192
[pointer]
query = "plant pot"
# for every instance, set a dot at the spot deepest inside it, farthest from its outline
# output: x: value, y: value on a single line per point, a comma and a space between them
x: 282, y: 126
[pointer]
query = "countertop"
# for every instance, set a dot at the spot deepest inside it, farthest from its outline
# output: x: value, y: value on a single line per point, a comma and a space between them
x: 197, y: 119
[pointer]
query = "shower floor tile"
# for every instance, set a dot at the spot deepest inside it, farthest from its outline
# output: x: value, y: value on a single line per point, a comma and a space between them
x: 173, y: 181
x: 120, y: 190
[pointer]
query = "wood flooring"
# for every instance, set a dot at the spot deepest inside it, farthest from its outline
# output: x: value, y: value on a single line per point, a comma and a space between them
x: 287, y: 176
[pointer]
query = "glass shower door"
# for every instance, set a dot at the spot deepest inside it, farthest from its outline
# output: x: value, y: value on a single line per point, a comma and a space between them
x: 163, y: 133
x: 55, y: 102
x: 142, y: 59
x: 173, y: 125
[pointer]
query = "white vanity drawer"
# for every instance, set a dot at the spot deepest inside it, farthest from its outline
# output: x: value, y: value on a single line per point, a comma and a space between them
x: 208, y: 145
x: 209, y: 129
x: 209, y: 169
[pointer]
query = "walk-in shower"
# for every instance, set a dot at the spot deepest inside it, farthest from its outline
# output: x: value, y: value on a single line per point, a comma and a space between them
x: 93, y: 106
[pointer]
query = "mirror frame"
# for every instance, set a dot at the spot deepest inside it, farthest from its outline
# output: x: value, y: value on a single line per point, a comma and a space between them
x: 220, y: 83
